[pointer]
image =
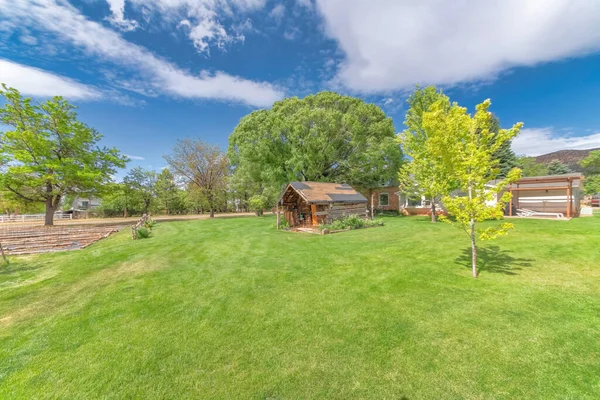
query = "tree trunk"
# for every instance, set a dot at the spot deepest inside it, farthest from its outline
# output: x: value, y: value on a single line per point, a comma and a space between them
x: 372, y: 204
x: 473, y: 250
x: 212, y: 213
x: 472, y: 234
x: 433, y: 216
x: 50, y: 208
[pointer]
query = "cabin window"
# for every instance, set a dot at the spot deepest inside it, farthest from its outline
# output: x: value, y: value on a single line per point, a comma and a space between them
x: 384, y: 199
x: 85, y: 204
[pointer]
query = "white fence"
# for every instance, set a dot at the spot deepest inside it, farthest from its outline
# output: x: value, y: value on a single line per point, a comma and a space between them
x: 32, y: 217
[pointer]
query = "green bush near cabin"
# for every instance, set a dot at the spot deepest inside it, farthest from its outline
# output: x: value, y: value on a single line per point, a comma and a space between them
x: 231, y: 309
x: 351, y: 222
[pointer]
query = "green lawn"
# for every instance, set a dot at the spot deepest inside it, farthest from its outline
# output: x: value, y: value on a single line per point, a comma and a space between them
x: 233, y: 309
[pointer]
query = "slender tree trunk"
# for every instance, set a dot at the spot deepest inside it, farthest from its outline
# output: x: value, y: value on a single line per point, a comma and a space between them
x: 212, y: 212
x: 473, y: 250
x: 372, y: 204
x: 433, y: 216
x: 473, y: 243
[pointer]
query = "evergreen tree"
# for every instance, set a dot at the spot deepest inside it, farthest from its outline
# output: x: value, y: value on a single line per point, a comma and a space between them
x: 507, y: 160
x: 556, y: 167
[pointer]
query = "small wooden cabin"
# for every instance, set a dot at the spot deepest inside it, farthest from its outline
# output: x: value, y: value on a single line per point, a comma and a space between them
x: 551, y: 194
x: 316, y: 203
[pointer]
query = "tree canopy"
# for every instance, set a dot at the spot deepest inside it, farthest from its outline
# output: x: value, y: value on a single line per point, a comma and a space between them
x: 531, y: 167
x: 323, y: 137
x: 466, y: 145
x: 52, y: 153
x: 557, y: 167
x: 424, y: 174
x: 142, y: 182
x: 591, y: 169
x: 203, y: 165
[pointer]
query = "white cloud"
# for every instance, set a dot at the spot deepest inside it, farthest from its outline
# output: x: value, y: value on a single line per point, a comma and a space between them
x: 538, y: 141
x: 292, y: 33
x: 117, y: 9
x: 28, y: 39
x: 38, y: 83
x: 137, y: 158
x: 277, y: 12
x: 203, y: 17
x: 209, y: 31
x: 305, y: 3
x: 152, y: 74
x: 394, y: 44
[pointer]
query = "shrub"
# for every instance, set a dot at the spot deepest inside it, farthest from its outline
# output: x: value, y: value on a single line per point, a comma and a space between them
x: 257, y: 204
x: 283, y: 224
x: 149, y: 224
x: 143, y: 233
x: 351, y: 222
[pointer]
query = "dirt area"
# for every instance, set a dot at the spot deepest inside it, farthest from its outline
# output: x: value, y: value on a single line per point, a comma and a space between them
x: 33, y: 237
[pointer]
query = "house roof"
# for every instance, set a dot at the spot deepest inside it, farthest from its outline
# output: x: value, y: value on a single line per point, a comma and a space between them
x: 545, y: 180
x: 324, y: 192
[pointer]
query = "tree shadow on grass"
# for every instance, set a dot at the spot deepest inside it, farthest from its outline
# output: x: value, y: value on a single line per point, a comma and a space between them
x: 495, y: 260
x: 17, y: 267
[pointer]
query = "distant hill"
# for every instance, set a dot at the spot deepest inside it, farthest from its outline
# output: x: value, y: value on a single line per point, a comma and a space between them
x: 571, y: 158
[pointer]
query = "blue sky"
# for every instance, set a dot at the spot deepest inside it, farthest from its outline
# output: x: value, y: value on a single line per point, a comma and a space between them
x: 145, y: 73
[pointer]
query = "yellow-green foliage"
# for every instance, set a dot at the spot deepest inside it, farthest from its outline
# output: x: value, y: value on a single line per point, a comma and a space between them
x: 465, y: 146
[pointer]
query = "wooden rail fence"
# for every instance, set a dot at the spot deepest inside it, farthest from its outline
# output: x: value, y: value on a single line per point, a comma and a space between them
x: 141, y: 222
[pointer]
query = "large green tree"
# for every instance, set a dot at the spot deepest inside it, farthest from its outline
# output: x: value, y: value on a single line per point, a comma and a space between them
x: 51, y: 153
x: 424, y: 174
x: 466, y: 145
x: 167, y: 191
x: 531, y: 167
x: 591, y: 170
x: 324, y: 137
x: 142, y: 182
x: 204, y: 166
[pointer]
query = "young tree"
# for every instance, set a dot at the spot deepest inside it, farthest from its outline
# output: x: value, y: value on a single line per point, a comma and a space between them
x: 424, y: 175
x: 166, y: 189
x: 556, y: 167
x: 466, y: 146
x: 324, y: 137
x: 531, y: 167
x: 203, y: 165
x: 52, y: 153
x: 142, y: 182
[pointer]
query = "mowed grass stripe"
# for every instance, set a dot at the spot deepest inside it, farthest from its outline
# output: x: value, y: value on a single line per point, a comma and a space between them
x: 234, y: 309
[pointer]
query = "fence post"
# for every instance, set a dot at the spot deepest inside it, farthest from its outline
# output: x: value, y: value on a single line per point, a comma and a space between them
x: 3, y: 255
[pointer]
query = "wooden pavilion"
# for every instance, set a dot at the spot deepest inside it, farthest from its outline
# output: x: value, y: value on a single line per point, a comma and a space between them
x: 547, y: 194
x: 316, y: 203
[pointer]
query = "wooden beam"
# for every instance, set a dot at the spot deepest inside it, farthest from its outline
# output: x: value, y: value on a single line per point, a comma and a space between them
x: 313, y: 210
x: 511, y: 201
x: 569, y: 201
x: 539, y: 188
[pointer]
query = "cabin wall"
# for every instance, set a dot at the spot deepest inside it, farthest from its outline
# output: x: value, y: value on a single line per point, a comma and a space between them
x: 341, y: 210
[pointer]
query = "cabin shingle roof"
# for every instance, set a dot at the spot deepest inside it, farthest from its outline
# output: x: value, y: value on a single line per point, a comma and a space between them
x: 324, y: 192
